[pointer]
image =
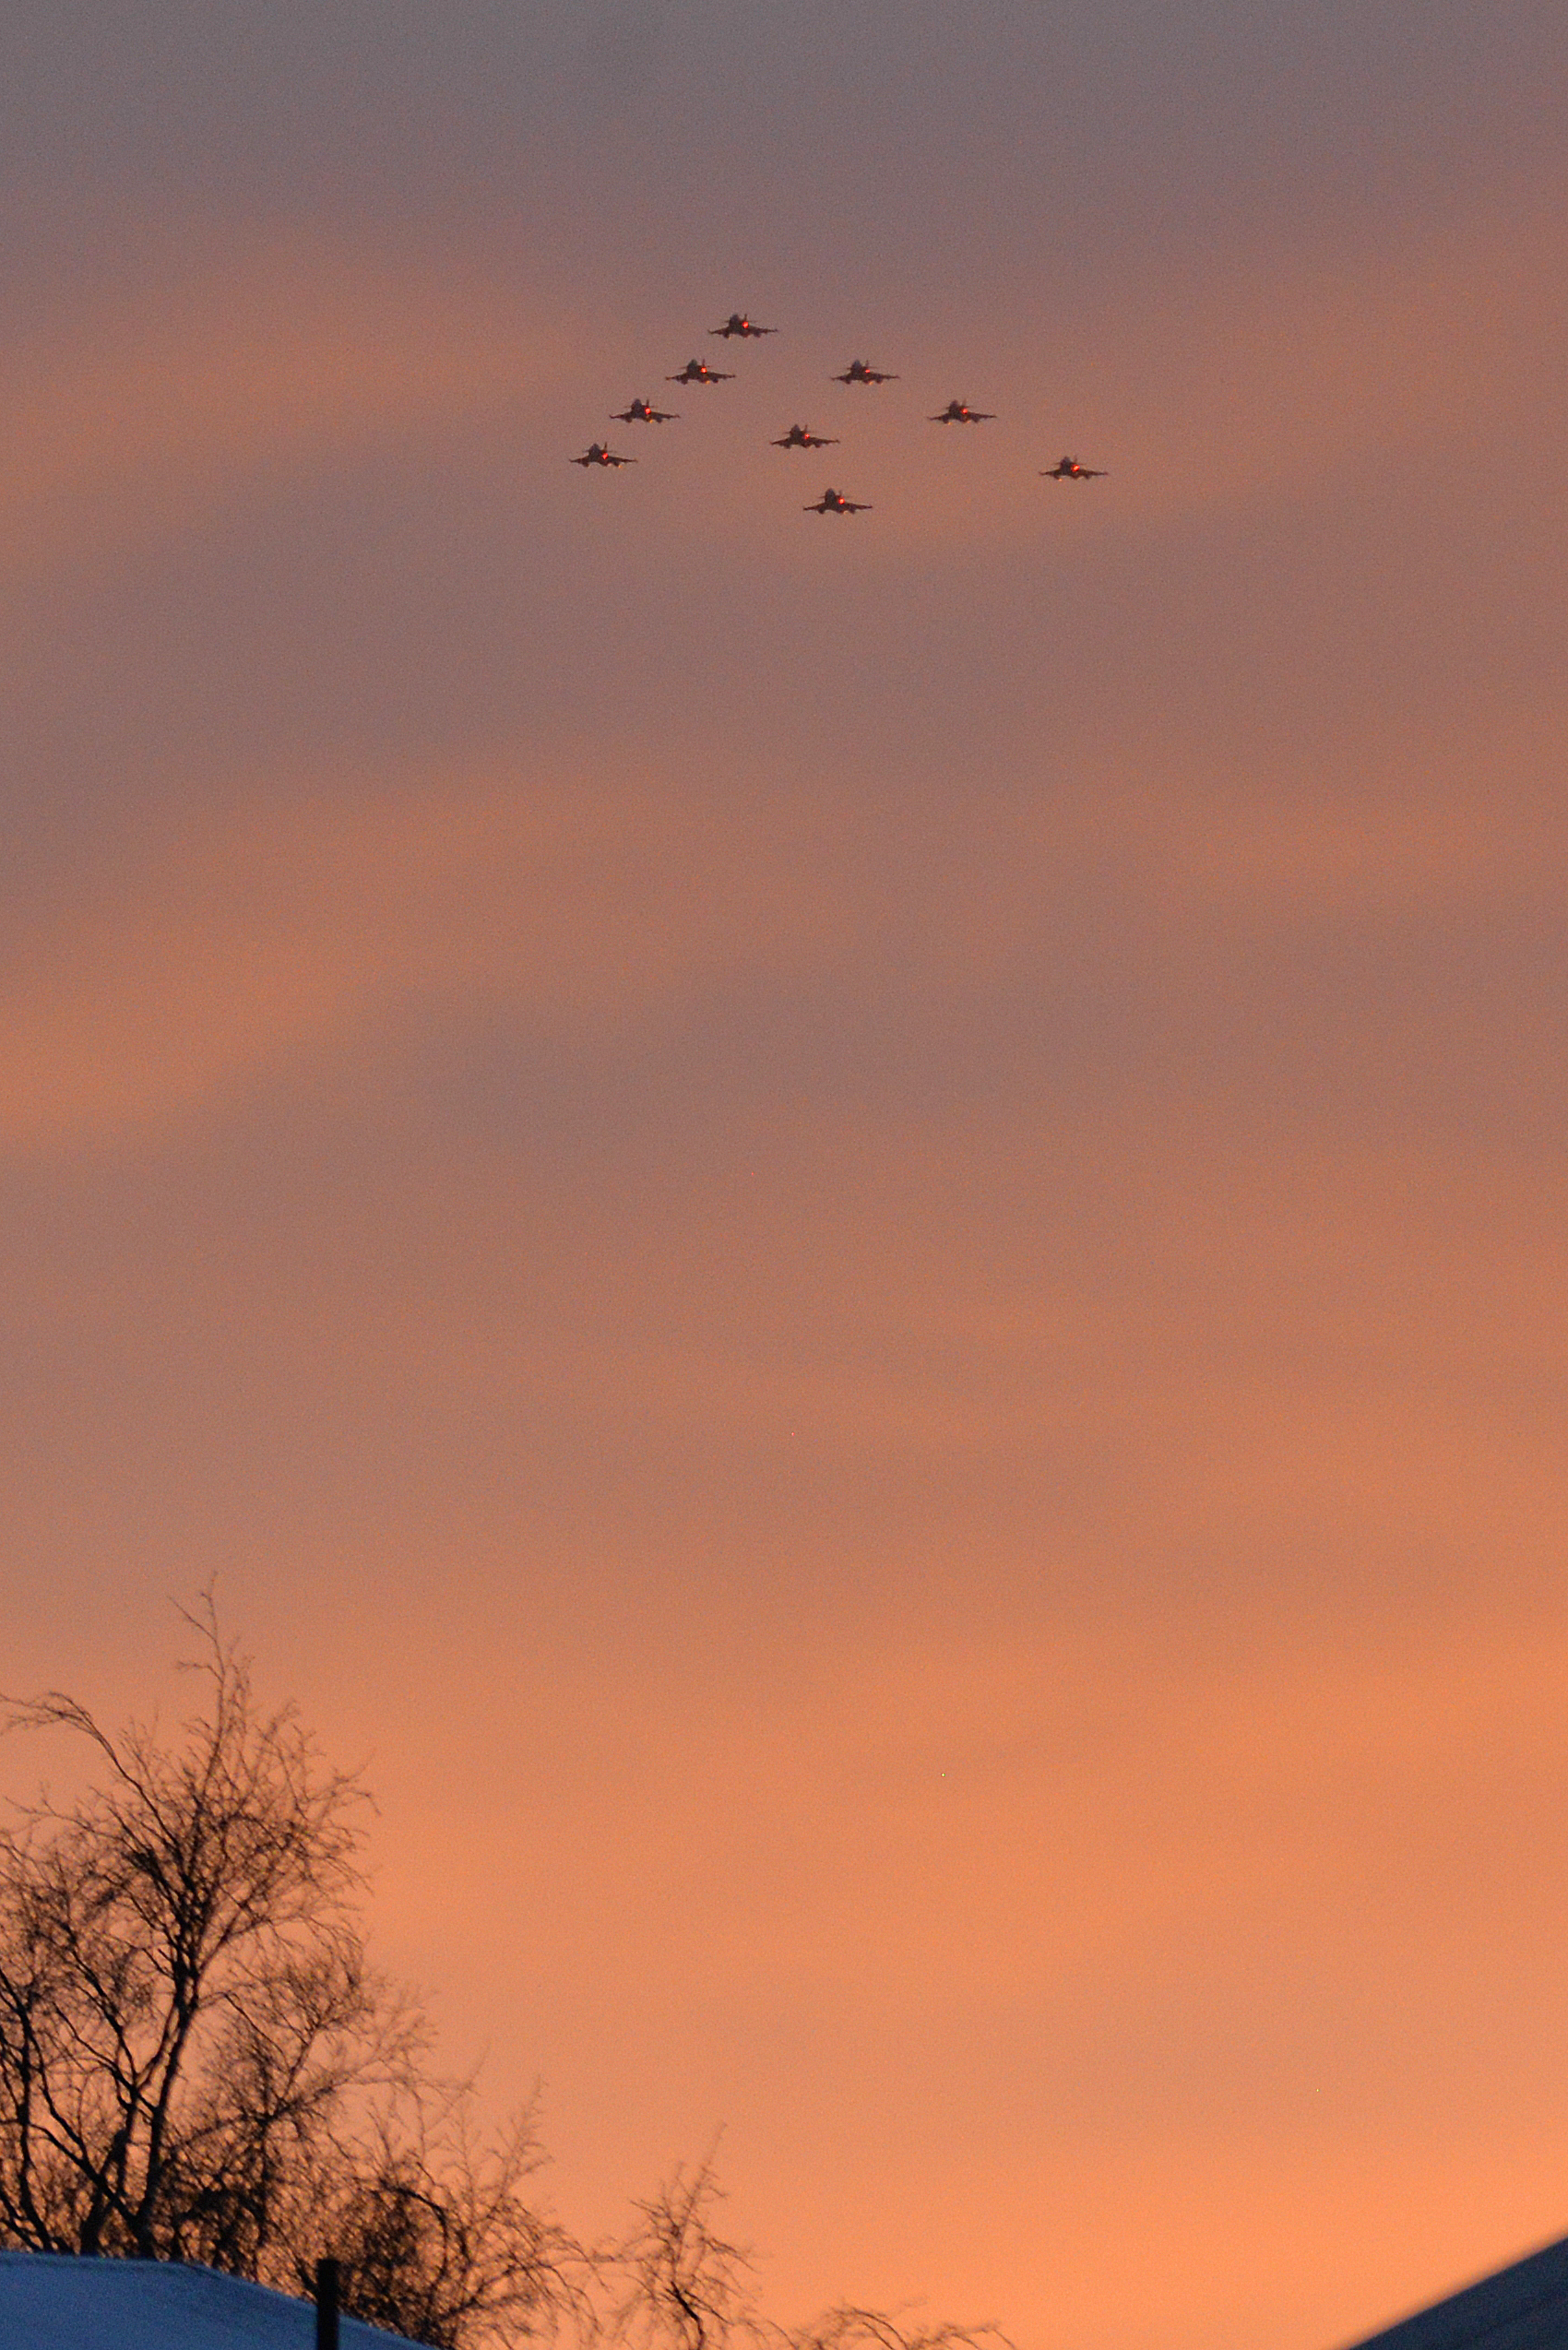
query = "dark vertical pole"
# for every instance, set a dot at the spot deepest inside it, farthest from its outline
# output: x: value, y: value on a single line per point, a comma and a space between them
x: 327, y: 2305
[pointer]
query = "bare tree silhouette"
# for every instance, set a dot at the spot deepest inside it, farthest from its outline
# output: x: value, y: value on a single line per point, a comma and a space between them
x: 198, y: 2062
x: 683, y: 2286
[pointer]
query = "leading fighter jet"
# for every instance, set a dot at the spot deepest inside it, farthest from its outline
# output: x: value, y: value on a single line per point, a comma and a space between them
x: 831, y: 503
x: 956, y: 413
x: 736, y: 324
x: 1071, y: 470
x: 696, y: 371
x: 597, y: 454
x: 800, y: 436
x: 643, y: 412
x: 858, y: 371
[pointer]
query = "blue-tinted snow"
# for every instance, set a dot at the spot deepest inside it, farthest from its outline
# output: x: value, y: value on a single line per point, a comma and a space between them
x: 50, y: 2301
x: 1523, y: 2306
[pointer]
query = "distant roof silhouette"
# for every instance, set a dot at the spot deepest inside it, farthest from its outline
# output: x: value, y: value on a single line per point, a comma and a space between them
x: 53, y: 2301
x: 1524, y: 2307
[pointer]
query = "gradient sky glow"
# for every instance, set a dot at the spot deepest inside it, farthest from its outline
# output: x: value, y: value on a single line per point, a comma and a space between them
x: 851, y: 1234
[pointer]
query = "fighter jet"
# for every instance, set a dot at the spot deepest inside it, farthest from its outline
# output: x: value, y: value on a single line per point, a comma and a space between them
x: 696, y: 372
x: 1071, y: 470
x: 800, y: 436
x: 643, y: 412
x: 736, y: 324
x: 831, y: 503
x: 597, y: 454
x: 858, y: 371
x: 956, y: 413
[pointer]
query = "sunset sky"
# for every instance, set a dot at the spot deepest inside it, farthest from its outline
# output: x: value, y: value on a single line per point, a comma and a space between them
x: 849, y: 1236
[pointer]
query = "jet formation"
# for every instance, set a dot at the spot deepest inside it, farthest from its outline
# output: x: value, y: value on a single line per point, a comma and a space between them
x: 740, y: 327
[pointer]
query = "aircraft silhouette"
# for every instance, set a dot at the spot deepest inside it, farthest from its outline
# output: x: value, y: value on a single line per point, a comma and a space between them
x: 831, y: 503
x: 736, y: 324
x: 1071, y: 470
x: 643, y: 412
x: 956, y: 413
x: 695, y: 370
x: 597, y: 454
x: 800, y: 436
x: 858, y: 371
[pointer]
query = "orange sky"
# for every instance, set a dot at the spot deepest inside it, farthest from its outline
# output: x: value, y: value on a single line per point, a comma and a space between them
x: 851, y: 1234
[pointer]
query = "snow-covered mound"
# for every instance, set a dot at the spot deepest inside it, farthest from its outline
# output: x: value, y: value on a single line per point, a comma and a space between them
x: 49, y: 2301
